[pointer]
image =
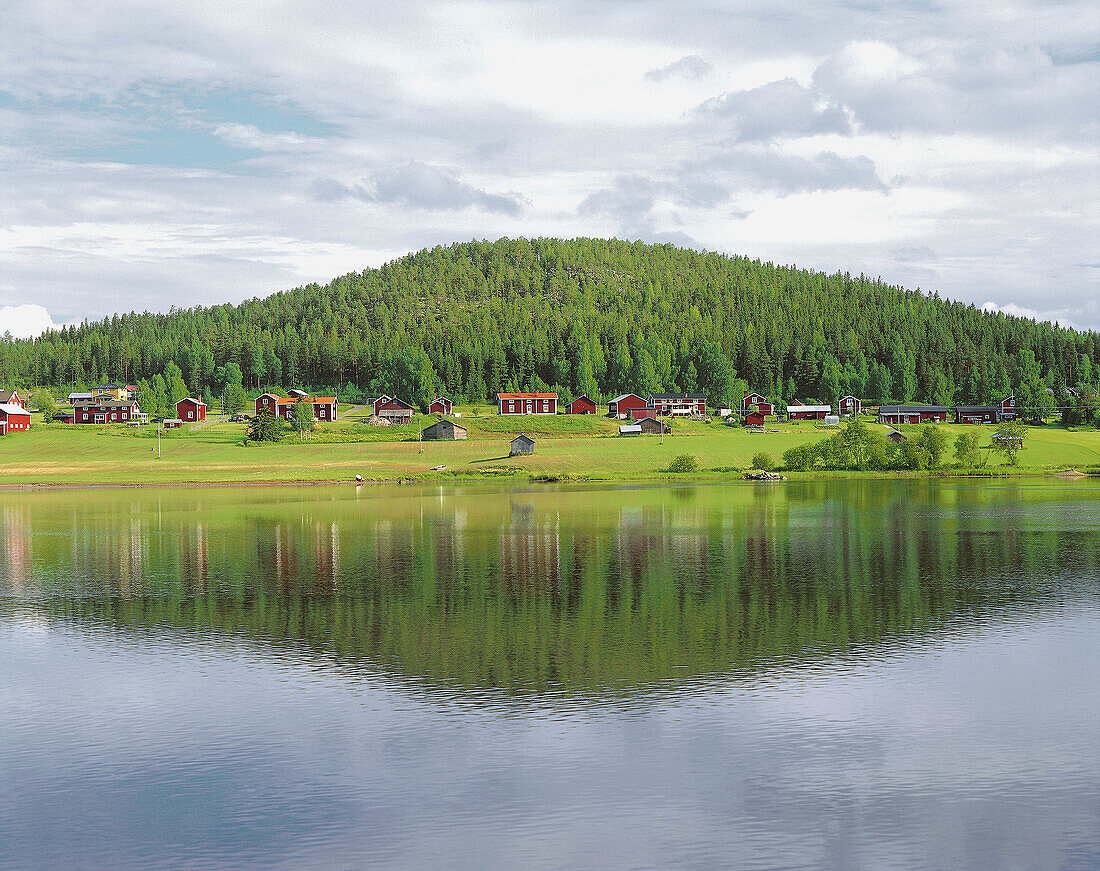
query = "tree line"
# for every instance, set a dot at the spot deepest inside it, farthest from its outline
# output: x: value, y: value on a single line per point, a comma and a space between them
x: 591, y: 316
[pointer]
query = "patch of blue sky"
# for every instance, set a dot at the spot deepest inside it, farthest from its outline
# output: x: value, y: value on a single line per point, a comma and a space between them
x: 166, y: 147
x: 174, y: 126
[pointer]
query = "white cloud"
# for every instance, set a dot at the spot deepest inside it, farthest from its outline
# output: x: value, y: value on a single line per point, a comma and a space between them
x: 775, y: 129
x: 25, y: 321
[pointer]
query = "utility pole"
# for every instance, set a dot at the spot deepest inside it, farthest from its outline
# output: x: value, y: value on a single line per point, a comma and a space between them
x: 158, y: 442
x: 421, y: 436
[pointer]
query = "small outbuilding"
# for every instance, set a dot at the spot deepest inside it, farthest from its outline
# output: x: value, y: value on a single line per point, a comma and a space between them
x: 521, y: 445
x: 191, y: 409
x: 581, y: 405
x: 754, y: 418
x: 849, y: 405
x: 652, y: 426
x: 441, y: 405
x: 444, y: 431
x: 172, y: 423
x: 808, y: 412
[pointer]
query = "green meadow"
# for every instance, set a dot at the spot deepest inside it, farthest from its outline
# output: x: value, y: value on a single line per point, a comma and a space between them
x: 566, y: 446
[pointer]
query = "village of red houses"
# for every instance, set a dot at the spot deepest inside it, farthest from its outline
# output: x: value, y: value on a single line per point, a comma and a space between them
x: 119, y: 404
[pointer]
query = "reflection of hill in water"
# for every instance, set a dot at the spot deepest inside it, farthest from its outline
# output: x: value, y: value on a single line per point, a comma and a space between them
x: 575, y: 589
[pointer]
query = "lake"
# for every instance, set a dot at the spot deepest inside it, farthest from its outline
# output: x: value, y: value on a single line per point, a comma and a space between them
x: 836, y: 675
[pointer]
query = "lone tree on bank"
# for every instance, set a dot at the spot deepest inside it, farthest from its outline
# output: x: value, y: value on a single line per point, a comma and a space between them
x: 303, y: 418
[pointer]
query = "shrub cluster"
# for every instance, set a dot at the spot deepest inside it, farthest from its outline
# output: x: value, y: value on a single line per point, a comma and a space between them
x: 858, y: 447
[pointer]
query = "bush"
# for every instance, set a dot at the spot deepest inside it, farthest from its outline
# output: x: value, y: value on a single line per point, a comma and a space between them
x: 763, y: 461
x: 800, y: 458
x: 684, y: 463
x: 265, y: 428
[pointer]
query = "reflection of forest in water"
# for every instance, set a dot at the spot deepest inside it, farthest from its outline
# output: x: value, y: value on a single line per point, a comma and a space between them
x: 535, y: 588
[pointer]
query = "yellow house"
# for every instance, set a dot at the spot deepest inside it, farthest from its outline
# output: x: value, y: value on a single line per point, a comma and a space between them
x: 110, y: 393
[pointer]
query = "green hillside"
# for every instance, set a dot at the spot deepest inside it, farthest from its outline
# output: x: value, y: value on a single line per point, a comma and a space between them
x: 585, y: 315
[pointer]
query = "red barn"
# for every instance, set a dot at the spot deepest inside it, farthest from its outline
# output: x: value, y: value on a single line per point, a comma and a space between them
x: 898, y: 414
x: 440, y: 405
x: 189, y: 409
x: 581, y: 405
x: 622, y: 406
x: 13, y: 418
x: 756, y: 402
x: 527, y: 403
x: 12, y: 397
x: 849, y: 405
x: 641, y: 413
x: 808, y: 412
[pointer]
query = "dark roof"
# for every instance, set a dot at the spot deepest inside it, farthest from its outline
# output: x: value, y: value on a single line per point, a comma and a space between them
x: 583, y: 396
x: 677, y: 396
x: 524, y: 438
x: 972, y: 409
x: 912, y: 409
x: 443, y: 424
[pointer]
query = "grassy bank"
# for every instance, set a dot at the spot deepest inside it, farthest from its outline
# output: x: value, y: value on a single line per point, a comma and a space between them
x: 567, y: 447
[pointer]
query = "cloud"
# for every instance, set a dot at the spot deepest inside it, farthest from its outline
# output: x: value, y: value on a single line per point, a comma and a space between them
x: 169, y: 155
x: 914, y: 254
x: 25, y: 321
x: 690, y: 67
x: 778, y: 109
x: 251, y: 137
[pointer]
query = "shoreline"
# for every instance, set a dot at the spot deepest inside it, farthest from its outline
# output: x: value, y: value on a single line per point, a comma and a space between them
x: 567, y: 478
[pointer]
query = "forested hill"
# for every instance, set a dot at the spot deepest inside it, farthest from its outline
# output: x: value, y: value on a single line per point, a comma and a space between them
x: 586, y: 315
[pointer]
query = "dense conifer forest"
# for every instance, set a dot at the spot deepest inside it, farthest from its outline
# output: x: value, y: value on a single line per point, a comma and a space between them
x: 588, y: 316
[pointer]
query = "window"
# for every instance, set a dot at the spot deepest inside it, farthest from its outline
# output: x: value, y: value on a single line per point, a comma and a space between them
x: 190, y: 415
x: 265, y: 400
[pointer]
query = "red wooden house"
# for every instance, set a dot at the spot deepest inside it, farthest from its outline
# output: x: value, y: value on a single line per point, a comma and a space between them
x: 440, y: 405
x: 678, y: 403
x: 849, y: 405
x: 756, y: 402
x: 527, y: 403
x: 622, y: 406
x: 394, y: 410
x: 12, y: 397
x: 106, y: 411
x: 581, y: 405
x: 13, y: 418
x: 282, y: 407
x: 1008, y: 407
x: 189, y: 409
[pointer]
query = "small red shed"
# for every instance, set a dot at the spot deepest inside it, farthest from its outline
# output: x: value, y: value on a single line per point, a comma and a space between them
x: 754, y: 418
x: 190, y: 409
x: 581, y: 405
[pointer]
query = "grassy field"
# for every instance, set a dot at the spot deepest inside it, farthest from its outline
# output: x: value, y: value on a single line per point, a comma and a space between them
x: 582, y: 446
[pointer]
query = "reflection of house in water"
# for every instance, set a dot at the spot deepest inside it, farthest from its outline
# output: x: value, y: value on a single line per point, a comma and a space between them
x: 662, y: 538
x: 16, y: 568
x: 194, y: 555
x: 530, y: 550
x: 283, y: 551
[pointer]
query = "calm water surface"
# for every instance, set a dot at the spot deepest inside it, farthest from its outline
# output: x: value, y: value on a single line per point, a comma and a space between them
x: 862, y: 675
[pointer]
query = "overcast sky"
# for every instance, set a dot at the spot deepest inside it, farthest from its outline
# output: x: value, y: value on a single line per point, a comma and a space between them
x: 160, y: 154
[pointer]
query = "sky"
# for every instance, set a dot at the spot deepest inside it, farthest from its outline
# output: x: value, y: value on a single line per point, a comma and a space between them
x: 156, y: 155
